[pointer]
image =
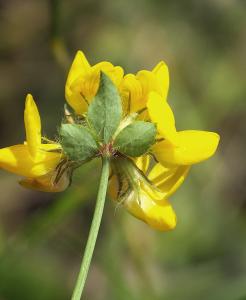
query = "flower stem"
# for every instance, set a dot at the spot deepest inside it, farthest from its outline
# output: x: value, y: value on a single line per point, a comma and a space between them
x: 95, y: 225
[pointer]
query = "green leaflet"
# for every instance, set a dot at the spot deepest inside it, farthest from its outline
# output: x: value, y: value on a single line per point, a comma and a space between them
x: 136, y: 139
x: 105, y: 111
x: 77, y: 142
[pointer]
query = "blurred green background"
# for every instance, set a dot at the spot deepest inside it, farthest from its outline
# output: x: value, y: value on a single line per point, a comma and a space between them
x: 42, y: 236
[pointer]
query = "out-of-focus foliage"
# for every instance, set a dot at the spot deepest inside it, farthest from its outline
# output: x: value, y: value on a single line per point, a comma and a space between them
x: 42, y: 235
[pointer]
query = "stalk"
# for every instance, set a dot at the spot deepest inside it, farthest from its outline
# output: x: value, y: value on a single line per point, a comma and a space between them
x: 95, y: 225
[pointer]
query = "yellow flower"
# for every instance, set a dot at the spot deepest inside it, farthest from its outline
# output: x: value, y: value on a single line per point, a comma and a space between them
x: 135, y: 88
x: 83, y: 81
x: 144, y: 191
x: 178, y: 147
x: 33, y: 159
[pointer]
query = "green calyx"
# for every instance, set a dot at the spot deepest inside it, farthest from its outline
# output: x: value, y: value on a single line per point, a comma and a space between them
x: 105, y: 110
x: 101, y: 133
x: 136, y: 139
x: 77, y: 142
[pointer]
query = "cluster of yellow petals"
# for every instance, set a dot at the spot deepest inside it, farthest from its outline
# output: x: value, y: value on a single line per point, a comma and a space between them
x: 34, y: 160
x: 149, y: 201
x: 143, y: 95
x: 83, y: 81
x: 147, y: 90
x: 146, y: 93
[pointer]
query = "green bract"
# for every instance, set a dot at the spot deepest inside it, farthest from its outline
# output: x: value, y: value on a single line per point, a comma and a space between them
x: 105, y: 111
x: 136, y: 139
x: 77, y: 142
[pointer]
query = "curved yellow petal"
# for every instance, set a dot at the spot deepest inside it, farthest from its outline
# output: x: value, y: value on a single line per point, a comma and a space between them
x: 115, y: 73
x: 132, y: 94
x: 46, y: 162
x: 143, y: 201
x: 33, y: 125
x: 47, y: 183
x: 149, y: 82
x: 17, y: 159
x: 193, y: 147
x: 162, y: 75
x: 143, y: 162
x: 83, y: 81
x: 160, y: 173
x: 80, y: 93
x: 80, y: 67
x: 168, y: 180
x: 90, y: 84
x: 160, y: 216
x: 161, y: 113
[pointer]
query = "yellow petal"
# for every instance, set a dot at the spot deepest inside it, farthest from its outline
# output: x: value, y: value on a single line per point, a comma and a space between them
x: 77, y: 102
x: 161, y: 114
x: 152, y: 191
x: 160, y: 216
x: 149, y: 82
x: 115, y: 73
x: 17, y: 159
x: 168, y: 179
x: 132, y: 94
x: 80, y: 67
x: 47, y: 183
x: 162, y: 74
x: 33, y: 125
x: 193, y: 147
x: 103, y: 66
x: 160, y: 173
x: 143, y: 202
x: 142, y: 163
x: 46, y: 162
x: 91, y: 84
x: 83, y: 81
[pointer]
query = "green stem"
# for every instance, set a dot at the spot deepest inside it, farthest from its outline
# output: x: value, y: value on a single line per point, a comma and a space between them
x: 95, y: 225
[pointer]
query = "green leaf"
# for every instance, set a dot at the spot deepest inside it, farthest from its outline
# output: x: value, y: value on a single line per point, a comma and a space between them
x: 77, y: 142
x: 136, y: 139
x: 105, y: 111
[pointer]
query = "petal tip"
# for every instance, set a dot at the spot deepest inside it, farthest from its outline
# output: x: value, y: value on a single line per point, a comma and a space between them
x: 29, y: 99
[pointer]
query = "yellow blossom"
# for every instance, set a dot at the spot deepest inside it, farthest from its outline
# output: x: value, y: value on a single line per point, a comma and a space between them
x: 178, y: 147
x: 148, y: 161
x: 33, y: 159
x: 136, y: 88
x: 144, y: 191
x: 83, y: 81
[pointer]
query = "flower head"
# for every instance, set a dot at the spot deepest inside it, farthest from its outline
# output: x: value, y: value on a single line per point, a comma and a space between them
x: 83, y: 81
x: 125, y: 119
x: 32, y: 159
x: 144, y: 190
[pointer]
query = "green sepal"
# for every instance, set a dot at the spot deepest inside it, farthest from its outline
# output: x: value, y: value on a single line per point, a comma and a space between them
x: 136, y: 139
x: 105, y: 110
x: 77, y: 142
